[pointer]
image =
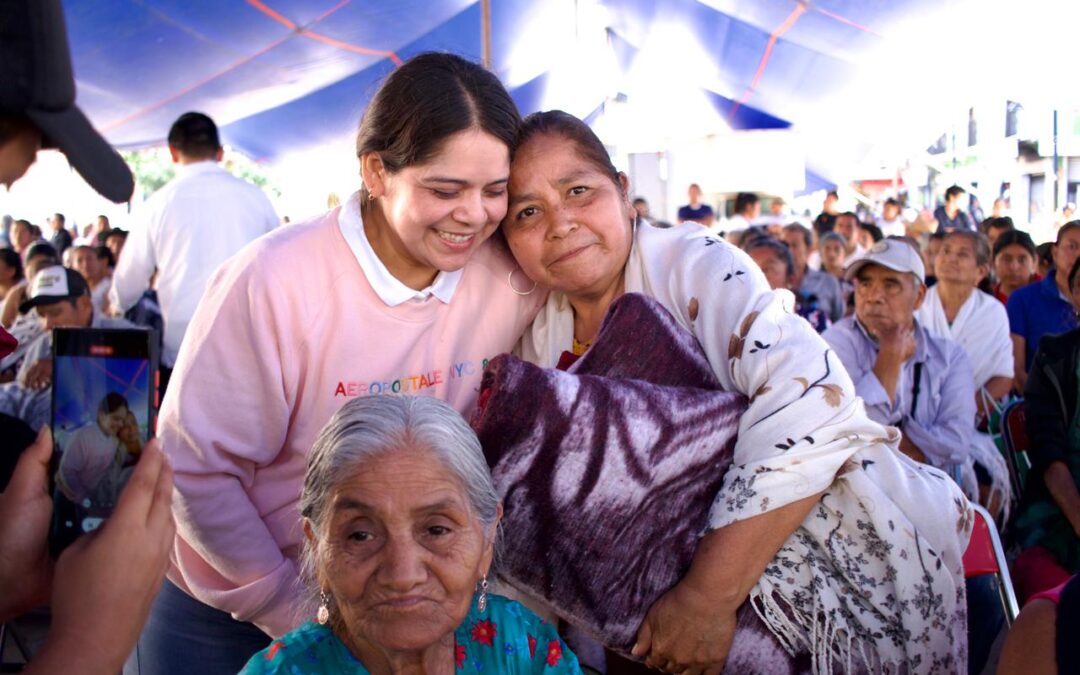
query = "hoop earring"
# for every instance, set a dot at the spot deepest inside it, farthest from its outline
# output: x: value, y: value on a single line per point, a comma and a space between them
x: 510, y: 282
x: 323, y: 615
x: 481, y: 604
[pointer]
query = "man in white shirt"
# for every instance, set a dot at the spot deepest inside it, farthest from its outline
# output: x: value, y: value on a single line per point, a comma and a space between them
x: 187, y: 229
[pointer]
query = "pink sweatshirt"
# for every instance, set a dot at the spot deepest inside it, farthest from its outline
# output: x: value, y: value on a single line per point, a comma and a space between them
x: 289, y: 330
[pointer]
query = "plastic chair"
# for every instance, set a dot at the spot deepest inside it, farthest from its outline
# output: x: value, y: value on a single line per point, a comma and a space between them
x: 985, y: 555
x: 1014, y: 432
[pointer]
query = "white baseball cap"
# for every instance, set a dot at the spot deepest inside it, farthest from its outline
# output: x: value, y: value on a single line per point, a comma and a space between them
x: 895, y: 254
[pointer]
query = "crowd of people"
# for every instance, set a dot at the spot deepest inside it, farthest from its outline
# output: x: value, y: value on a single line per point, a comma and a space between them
x: 791, y: 420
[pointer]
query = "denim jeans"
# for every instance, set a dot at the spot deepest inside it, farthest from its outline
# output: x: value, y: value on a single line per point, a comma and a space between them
x: 182, y: 635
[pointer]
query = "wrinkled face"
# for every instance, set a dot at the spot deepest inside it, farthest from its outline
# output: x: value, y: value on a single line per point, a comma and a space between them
x: 886, y: 300
x: 67, y: 314
x: 833, y: 254
x: 797, y: 245
x: 439, y: 212
x: 774, y: 267
x: 1067, y: 251
x: 956, y: 263
x: 112, y: 423
x: 847, y: 227
x: 85, y: 262
x: 568, y: 224
x: 402, y: 552
x: 1014, y: 266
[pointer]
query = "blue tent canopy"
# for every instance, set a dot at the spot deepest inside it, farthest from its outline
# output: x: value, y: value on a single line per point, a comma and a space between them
x: 284, y: 75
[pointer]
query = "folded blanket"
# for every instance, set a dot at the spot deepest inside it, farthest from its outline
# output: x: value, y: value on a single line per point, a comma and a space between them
x: 607, y: 472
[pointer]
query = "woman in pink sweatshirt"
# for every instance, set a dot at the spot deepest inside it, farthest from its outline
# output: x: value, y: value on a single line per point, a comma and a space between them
x: 397, y: 291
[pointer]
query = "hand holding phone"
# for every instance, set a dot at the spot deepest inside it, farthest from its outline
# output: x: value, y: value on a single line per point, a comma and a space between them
x: 25, y: 510
x: 106, y: 581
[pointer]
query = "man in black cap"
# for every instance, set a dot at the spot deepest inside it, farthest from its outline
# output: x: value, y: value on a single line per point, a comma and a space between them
x: 102, y: 586
x: 37, y: 102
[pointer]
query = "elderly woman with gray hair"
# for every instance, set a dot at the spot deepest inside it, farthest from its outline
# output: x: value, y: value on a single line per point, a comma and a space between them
x: 400, y: 519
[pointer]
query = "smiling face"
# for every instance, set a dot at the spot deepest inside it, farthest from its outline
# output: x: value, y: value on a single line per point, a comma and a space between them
x: 112, y: 423
x: 401, y: 554
x: 433, y: 216
x: 957, y: 263
x: 568, y: 225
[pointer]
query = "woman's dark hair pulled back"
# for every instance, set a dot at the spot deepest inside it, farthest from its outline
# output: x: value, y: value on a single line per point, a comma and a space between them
x: 428, y: 99
x: 559, y: 123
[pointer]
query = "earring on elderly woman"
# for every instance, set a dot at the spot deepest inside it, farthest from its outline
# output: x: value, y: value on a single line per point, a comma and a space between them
x: 323, y: 615
x: 481, y: 604
x: 510, y: 281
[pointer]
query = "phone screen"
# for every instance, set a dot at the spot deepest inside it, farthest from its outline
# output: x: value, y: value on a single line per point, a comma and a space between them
x: 103, y: 414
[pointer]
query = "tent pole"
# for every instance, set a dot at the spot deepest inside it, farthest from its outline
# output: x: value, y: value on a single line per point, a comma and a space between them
x: 485, y: 31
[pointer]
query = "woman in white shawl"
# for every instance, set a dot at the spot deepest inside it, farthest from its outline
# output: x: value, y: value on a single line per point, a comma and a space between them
x: 956, y: 308
x: 844, y: 547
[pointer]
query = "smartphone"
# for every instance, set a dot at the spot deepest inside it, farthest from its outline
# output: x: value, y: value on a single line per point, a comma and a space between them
x: 104, y: 407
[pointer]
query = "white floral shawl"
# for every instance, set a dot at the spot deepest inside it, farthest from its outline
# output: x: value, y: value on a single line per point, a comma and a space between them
x: 873, y: 578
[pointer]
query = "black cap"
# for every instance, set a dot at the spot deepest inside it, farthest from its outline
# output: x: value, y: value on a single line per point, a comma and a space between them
x: 36, y: 80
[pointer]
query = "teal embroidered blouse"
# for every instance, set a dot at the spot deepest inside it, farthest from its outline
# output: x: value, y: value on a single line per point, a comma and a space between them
x: 505, y: 638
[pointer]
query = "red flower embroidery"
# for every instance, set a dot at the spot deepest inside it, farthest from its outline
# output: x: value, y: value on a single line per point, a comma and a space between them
x: 274, y: 649
x: 459, y: 656
x: 532, y: 646
x: 484, y: 632
x: 554, y: 652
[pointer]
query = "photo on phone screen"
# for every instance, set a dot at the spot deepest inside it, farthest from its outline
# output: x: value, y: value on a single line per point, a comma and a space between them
x: 103, y: 410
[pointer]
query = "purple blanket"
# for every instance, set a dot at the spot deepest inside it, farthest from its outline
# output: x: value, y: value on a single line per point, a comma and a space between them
x: 607, y: 471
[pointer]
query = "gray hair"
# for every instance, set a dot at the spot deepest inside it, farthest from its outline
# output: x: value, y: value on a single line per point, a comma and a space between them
x: 979, y: 241
x: 368, y: 427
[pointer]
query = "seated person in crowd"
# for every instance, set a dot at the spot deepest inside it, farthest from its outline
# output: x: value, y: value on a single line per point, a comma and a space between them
x: 809, y: 281
x: 114, y: 241
x: 993, y: 228
x: 1014, y: 263
x: 400, y: 519
x: 61, y: 298
x: 848, y: 226
x: 26, y: 326
x: 776, y: 261
x: 1044, y: 308
x: 1042, y: 641
x: 1048, y: 524
x: 955, y: 308
x: 907, y: 377
x: 11, y: 270
x: 1044, y: 258
x: 16, y: 295
x: 891, y: 223
x: 89, y: 263
x: 933, y: 247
